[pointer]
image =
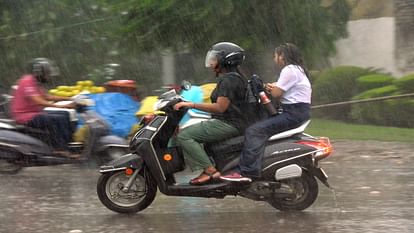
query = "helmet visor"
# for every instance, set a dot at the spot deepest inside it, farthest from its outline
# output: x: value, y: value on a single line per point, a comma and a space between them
x: 211, y: 58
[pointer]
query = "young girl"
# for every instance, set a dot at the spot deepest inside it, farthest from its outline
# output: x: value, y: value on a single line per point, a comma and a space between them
x: 293, y: 89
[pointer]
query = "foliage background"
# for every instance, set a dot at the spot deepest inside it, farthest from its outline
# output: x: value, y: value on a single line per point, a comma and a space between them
x: 345, y: 83
x: 84, y: 36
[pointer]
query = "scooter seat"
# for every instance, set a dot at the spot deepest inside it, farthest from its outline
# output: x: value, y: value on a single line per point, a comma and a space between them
x: 227, y: 146
x: 235, y: 145
x: 290, y: 132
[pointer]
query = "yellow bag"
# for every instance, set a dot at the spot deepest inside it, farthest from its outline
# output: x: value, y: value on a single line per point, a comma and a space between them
x: 207, y: 89
x: 147, y: 106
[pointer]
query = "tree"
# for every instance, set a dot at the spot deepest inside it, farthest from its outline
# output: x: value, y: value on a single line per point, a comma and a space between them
x: 404, y: 15
x: 257, y: 25
x: 66, y: 31
x: 83, y: 36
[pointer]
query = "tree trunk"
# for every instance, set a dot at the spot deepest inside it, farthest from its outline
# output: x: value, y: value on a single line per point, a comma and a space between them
x: 404, y: 32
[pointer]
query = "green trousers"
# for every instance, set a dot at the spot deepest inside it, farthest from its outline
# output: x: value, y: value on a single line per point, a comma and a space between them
x: 191, y: 141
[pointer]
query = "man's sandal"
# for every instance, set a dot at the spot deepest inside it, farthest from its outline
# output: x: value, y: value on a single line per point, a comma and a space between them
x: 205, y: 177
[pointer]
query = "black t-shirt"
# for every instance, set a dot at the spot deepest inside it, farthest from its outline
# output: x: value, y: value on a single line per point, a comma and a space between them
x: 232, y: 86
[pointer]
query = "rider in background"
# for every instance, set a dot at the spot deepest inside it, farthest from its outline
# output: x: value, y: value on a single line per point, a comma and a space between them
x: 226, y: 100
x: 293, y: 89
x: 30, y: 99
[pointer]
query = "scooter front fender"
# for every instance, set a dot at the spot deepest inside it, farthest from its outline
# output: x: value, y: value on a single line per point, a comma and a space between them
x: 133, y: 161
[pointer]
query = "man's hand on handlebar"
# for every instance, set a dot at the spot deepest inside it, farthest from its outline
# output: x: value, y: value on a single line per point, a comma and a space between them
x: 69, y: 105
x: 179, y: 105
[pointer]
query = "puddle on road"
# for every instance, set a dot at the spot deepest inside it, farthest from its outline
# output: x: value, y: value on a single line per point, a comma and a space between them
x: 335, y: 197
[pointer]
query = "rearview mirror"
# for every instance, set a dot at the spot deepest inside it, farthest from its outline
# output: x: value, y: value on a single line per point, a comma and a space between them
x: 186, y: 85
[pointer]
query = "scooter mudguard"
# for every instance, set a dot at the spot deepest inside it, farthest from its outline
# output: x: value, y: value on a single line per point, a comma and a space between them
x: 320, y: 174
x: 133, y: 161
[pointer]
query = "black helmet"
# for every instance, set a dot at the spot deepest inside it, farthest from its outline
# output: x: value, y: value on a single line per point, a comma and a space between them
x: 43, y: 68
x: 226, y: 53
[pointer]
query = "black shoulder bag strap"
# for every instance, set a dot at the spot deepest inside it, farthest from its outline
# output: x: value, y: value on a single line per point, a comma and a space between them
x: 237, y: 109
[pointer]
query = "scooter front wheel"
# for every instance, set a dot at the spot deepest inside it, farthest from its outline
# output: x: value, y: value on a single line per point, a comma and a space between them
x: 305, y: 191
x: 138, y: 197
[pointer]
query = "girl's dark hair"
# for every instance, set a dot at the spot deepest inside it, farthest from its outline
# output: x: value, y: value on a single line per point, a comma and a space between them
x: 292, y: 55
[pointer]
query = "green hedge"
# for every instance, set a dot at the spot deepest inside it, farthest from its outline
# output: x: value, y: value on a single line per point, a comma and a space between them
x: 336, y: 85
x: 396, y: 113
x: 405, y: 84
x: 349, y: 82
x: 368, y: 82
x: 377, y: 92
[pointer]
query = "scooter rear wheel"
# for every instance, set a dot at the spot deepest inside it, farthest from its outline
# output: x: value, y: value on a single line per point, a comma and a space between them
x: 11, y: 161
x: 10, y: 168
x: 305, y: 189
x: 139, y: 196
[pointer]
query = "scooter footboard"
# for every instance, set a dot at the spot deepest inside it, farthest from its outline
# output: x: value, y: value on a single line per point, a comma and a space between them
x: 133, y: 161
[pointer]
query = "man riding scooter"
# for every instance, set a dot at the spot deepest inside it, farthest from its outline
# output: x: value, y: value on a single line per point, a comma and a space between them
x: 29, y: 101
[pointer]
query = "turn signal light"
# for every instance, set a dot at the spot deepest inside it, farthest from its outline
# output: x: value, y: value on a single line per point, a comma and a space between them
x: 323, y: 145
x: 167, y: 157
x: 129, y: 171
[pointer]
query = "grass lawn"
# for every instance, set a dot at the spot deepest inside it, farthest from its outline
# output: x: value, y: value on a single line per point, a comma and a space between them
x: 340, y: 130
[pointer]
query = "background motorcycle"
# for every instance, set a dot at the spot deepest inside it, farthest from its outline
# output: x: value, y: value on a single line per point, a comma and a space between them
x: 290, y: 165
x: 20, y: 145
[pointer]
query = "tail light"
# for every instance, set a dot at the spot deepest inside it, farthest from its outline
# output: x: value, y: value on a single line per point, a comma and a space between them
x: 323, y: 146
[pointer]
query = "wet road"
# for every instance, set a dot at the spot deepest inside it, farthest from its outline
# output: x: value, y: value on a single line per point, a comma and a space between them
x: 373, y: 182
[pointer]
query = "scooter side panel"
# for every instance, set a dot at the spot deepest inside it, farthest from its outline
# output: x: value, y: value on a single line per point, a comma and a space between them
x: 281, y: 151
x: 24, y: 142
x: 145, y: 142
x: 227, y: 153
x: 279, y: 155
